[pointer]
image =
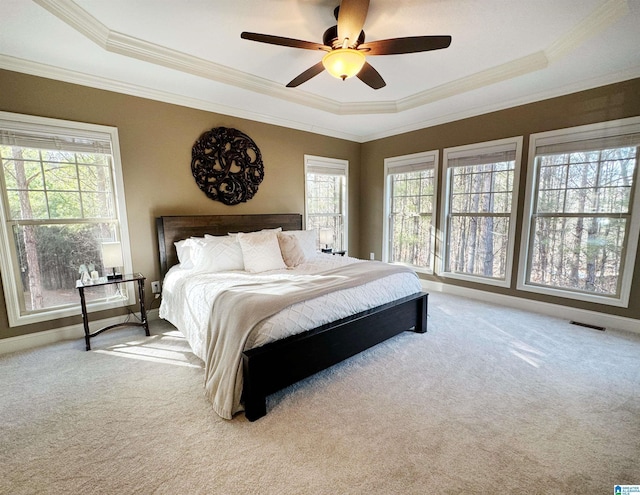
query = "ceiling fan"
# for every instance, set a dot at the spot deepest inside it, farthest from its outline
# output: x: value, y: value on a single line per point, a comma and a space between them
x: 346, y: 48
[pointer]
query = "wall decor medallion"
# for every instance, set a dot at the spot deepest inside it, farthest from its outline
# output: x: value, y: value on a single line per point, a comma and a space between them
x: 227, y: 165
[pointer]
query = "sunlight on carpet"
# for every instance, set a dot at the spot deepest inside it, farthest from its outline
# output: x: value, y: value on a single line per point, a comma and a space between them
x: 168, y: 348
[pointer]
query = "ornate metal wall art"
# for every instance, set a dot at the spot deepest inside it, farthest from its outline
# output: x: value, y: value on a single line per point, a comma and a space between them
x: 227, y: 165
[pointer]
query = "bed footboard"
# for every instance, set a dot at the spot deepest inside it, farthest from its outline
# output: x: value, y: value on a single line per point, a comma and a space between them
x: 279, y: 364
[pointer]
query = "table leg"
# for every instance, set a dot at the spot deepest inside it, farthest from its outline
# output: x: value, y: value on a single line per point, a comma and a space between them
x: 85, y: 319
x: 143, y: 312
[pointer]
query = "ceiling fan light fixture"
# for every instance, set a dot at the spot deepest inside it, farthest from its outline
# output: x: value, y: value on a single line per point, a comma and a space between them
x: 343, y: 62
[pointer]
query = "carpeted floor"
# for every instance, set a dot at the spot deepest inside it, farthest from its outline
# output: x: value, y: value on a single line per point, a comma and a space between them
x: 490, y: 400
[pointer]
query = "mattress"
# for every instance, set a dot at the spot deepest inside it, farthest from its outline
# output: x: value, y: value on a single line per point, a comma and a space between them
x: 188, y: 297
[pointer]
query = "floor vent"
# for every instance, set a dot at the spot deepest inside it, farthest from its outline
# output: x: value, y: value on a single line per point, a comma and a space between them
x: 595, y: 327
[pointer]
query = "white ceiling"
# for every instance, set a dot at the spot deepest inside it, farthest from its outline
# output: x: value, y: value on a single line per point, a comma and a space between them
x: 189, y: 52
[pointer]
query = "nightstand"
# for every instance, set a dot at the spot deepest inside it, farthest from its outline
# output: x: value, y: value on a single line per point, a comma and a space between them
x: 134, y: 277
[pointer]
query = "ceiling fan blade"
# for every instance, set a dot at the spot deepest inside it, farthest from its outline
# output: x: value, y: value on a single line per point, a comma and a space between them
x: 279, y: 40
x: 351, y: 19
x: 371, y: 77
x: 306, y: 75
x: 410, y: 44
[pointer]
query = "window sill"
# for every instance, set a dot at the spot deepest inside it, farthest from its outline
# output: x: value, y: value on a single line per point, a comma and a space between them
x: 478, y: 279
x: 68, y: 311
x: 620, y: 301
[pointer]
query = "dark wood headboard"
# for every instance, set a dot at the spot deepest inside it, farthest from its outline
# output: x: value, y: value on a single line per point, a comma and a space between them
x: 175, y: 228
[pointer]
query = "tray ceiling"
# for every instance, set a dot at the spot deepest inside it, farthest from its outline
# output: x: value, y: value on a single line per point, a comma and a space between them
x: 503, y: 53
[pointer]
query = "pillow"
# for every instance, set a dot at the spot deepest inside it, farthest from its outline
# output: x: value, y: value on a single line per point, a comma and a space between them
x: 308, y: 240
x: 187, y: 251
x: 219, y: 254
x: 290, y: 249
x: 297, y: 246
x: 234, y: 234
x: 261, y: 251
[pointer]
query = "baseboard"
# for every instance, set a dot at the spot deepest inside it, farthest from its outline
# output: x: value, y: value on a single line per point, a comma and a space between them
x: 557, y: 310
x: 21, y: 342
x: 30, y: 340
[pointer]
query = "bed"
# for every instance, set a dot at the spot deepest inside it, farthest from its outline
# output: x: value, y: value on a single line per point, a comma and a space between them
x: 274, y: 365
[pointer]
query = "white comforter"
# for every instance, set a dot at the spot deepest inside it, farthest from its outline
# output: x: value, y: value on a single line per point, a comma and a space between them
x: 187, y: 300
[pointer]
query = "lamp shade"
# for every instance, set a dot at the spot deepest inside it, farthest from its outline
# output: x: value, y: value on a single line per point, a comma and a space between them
x: 111, y: 254
x: 343, y: 62
x: 326, y: 236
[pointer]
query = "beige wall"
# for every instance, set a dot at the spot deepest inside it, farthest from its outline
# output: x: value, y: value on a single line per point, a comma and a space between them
x: 156, y: 141
x: 598, y: 105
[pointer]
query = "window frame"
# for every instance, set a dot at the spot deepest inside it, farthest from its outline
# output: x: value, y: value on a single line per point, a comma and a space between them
x: 430, y: 159
x: 341, y: 168
x: 475, y: 149
x: 601, y: 130
x: 8, y: 257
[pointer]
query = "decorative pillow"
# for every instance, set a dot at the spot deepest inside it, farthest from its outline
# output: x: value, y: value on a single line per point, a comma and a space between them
x: 308, y: 240
x: 297, y: 246
x: 292, y: 253
x: 234, y: 234
x: 261, y: 251
x: 187, y: 251
x: 218, y: 254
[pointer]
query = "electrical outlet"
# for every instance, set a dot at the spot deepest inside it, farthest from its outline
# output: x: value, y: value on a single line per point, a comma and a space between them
x: 155, y: 287
x: 372, y: 256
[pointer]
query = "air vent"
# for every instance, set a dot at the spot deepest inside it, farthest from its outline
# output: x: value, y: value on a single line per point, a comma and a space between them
x: 594, y: 327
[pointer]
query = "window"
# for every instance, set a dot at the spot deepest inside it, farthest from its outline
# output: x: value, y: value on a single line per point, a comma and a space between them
x: 62, y: 196
x: 480, y: 198
x: 326, y: 197
x: 410, y: 203
x: 581, y: 212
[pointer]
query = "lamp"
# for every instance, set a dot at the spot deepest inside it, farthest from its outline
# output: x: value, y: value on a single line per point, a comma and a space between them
x: 112, y: 258
x: 326, y: 238
x: 343, y: 62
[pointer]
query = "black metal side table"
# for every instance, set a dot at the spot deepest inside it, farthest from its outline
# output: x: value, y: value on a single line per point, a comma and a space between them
x: 134, y: 277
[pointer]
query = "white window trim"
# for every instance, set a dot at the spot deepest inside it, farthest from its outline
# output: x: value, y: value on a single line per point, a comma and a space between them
x: 591, y: 131
x: 341, y: 167
x: 401, y: 161
x: 479, y: 148
x: 7, y: 267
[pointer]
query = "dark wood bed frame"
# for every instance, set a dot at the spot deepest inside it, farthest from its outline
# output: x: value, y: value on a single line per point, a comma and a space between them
x: 279, y: 364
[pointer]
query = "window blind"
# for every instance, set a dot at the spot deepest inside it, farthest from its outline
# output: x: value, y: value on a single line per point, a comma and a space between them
x: 325, y: 170
x: 412, y: 167
x: 593, y: 144
x: 78, y: 144
x: 483, y: 156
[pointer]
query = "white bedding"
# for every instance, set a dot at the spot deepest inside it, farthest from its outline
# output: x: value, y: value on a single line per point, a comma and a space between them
x: 188, y: 295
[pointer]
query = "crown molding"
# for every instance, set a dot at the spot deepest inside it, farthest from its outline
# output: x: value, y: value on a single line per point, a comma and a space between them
x: 77, y: 18
x: 58, y: 74
x: 584, y: 85
x: 504, y: 72
x: 81, y: 21
x: 115, y: 42
x: 182, y: 62
x: 600, y: 19
x: 55, y: 73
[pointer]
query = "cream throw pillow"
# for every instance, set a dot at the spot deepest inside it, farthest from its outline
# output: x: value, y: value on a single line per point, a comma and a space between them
x: 261, y: 251
x: 297, y: 246
x: 292, y: 253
